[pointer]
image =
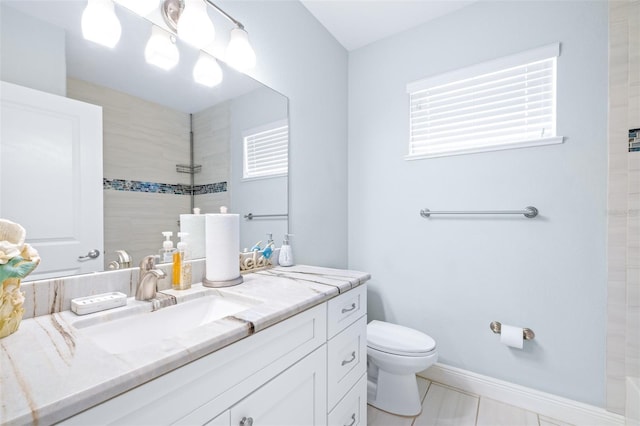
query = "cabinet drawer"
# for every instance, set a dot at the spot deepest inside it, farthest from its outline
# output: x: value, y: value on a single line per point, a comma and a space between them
x: 346, y: 360
x: 345, y: 309
x: 352, y: 409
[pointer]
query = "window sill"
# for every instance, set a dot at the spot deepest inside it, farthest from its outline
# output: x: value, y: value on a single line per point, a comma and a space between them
x: 538, y: 142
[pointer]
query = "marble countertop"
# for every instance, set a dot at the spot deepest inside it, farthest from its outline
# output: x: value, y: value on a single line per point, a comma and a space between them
x: 50, y: 371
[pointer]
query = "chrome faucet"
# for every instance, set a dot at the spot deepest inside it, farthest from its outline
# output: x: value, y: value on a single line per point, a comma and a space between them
x: 148, y: 279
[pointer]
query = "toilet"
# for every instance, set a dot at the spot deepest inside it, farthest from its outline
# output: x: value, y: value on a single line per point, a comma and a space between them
x: 394, y: 355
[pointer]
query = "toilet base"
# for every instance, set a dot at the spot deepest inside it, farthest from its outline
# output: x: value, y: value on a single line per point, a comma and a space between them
x: 394, y: 393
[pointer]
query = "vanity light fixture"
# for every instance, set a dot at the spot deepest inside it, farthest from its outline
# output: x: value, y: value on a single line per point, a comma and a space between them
x: 194, y: 25
x: 207, y: 71
x: 239, y: 52
x: 161, y: 49
x: 188, y: 19
x: 100, y: 23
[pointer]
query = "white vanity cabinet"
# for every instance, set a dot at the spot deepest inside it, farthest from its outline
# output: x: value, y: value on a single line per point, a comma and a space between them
x: 307, y: 370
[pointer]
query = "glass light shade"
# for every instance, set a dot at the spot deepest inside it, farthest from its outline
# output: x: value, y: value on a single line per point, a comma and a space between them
x: 207, y: 71
x: 100, y: 23
x: 240, y: 54
x: 141, y: 7
x: 161, y: 51
x: 194, y: 25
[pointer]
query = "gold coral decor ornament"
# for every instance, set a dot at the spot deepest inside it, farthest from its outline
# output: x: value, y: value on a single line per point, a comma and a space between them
x: 17, y: 260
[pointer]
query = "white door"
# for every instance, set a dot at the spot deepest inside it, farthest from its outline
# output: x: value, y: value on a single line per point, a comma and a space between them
x: 297, y: 397
x: 51, y: 177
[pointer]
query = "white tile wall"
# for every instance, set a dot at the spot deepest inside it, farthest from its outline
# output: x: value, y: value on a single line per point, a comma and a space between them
x: 143, y: 141
x: 623, y: 325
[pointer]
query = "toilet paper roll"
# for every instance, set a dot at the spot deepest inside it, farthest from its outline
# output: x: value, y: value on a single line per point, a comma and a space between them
x: 222, y: 247
x: 193, y: 224
x: 511, y: 336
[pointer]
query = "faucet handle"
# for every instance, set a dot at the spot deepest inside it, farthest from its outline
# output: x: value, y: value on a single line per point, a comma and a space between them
x: 148, y: 263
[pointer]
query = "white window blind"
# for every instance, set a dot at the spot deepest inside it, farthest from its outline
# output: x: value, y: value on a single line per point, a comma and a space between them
x: 506, y: 103
x: 266, y: 151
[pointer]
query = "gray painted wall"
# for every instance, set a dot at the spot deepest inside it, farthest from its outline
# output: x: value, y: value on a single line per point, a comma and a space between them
x: 298, y: 58
x: 36, y: 58
x: 258, y: 196
x: 450, y: 277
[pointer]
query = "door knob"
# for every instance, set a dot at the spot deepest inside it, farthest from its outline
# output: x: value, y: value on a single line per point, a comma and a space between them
x: 91, y: 255
x: 246, y: 421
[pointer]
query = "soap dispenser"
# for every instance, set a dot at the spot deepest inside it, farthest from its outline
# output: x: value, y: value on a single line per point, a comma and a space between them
x: 286, y: 255
x: 181, y: 265
x: 167, y: 250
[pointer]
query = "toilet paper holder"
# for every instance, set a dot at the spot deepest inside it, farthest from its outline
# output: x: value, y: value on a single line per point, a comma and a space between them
x: 527, y: 333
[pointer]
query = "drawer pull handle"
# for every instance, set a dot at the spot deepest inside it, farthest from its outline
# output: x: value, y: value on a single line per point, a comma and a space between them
x: 353, y: 420
x: 246, y: 421
x: 353, y: 358
x: 345, y: 310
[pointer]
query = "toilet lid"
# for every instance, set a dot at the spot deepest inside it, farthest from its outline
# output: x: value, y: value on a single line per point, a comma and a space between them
x: 396, y: 339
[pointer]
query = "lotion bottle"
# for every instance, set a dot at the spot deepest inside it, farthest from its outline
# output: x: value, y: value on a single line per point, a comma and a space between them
x: 286, y: 255
x: 181, y: 265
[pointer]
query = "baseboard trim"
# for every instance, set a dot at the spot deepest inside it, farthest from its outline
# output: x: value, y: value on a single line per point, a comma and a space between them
x: 546, y: 404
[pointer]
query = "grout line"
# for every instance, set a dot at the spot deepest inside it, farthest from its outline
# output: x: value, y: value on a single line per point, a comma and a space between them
x: 455, y: 389
x: 425, y: 394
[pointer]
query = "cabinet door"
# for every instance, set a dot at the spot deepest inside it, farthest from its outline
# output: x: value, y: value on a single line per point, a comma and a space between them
x: 297, y: 397
x: 223, y: 419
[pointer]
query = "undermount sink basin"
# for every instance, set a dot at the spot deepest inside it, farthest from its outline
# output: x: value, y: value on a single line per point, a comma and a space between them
x: 134, y: 330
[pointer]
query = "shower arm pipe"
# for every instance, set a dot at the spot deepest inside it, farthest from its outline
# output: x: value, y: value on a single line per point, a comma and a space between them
x: 226, y: 15
x: 191, y: 163
x: 528, y: 212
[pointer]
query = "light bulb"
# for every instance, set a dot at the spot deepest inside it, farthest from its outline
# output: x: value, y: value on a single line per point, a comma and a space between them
x: 141, y: 7
x: 207, y: 71
x: 100, y: 23
x: 240, y: 54
x: 194, y: 25
x: 161, y: 51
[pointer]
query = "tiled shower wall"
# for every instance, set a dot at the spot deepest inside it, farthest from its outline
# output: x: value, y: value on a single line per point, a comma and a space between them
x: 143, y: 142
x: 623, y: 328
x: 211, y: 146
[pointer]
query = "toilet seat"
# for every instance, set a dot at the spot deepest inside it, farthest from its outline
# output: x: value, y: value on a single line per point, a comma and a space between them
x: 398, y: 340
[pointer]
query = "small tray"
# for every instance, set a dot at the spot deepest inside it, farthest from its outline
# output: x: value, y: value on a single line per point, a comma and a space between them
x: 98, y: 302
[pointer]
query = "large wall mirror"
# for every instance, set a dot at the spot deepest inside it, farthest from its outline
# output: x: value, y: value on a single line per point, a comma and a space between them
x: 169, y: 143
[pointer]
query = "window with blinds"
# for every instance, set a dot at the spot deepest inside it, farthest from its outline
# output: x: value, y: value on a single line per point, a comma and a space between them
x: 266, y: 151
x: 506, y: 103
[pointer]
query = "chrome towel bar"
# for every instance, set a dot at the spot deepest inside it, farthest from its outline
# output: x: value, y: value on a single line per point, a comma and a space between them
x: 251, y: 216
x: 529, y: 212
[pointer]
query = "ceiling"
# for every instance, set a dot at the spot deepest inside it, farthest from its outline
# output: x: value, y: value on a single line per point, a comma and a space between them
x: 356, y: 23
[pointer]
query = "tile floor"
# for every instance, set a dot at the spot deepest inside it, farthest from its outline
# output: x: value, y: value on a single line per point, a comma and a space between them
x: 446, y: 406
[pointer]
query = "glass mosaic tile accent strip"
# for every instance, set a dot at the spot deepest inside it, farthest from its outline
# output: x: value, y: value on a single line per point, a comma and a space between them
x: 634, y: 140
x: 162, y: 188
x: 210, y: 188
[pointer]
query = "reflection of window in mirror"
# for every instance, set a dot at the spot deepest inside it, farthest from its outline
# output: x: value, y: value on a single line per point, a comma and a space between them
x: 265, y: 151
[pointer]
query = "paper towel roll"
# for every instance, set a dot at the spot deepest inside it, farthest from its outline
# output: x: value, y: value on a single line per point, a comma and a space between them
x: 194, y: 225
x: 511, y: 336
x: 222, y: 247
